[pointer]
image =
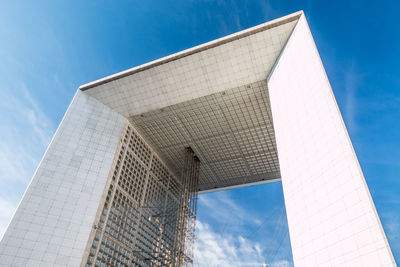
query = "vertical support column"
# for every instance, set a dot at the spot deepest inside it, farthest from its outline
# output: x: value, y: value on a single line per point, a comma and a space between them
x: 187, y: 210
x: 54, y: 219
x: 331, y: 216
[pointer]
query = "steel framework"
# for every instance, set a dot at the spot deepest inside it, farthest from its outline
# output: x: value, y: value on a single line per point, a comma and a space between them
x: 148, y: 215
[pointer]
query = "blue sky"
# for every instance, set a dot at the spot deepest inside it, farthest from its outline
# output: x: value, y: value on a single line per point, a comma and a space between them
x: 49, y: 48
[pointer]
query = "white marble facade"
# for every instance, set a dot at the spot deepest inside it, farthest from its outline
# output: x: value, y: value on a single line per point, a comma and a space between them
x: 53, y: 220
x: 331, y: 216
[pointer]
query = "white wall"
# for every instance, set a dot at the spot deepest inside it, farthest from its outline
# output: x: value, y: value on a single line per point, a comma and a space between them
x: 331, y: 216
x: 52, y: 223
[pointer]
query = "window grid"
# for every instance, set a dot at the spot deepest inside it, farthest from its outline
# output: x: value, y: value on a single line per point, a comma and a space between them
x: 138, y: 224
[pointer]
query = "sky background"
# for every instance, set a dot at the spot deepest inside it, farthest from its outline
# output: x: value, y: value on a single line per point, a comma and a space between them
x: 49, y: 48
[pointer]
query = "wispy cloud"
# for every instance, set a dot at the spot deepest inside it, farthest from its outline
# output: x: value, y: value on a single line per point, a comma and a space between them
x: 223, y: 207
x: 6, y: 211
x: 267, y: 10
x: 351, y: 83
x: 25, y: 132
x: 37, y: 119
x: 229, y: 234
x: 391, y: 223
x: 282, y: 263
x: 213, y: 249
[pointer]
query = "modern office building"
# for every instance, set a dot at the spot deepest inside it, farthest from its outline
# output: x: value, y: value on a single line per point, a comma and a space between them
x: 118, y: 183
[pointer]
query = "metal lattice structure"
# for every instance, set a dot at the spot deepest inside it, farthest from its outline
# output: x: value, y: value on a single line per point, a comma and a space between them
x: 188, y: 206
x: 148, y: 214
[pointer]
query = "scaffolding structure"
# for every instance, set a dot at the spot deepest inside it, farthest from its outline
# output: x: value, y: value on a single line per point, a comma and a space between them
x: 188, y: 208
x: 148, y: 215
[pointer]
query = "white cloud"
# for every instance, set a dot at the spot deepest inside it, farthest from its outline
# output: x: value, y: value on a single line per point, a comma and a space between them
x: 39, y: 122
x: 6, y: 211
x: 267, y: 10
x: 25, y: 131
x: 229, y: 235
x: 213, y: 249
x: 391, y: 223
x: 226, y: 210
x: 25, y: 135
x: 282, y: 263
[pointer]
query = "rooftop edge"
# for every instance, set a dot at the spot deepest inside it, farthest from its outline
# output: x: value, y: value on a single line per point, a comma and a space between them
x: 195, y: 49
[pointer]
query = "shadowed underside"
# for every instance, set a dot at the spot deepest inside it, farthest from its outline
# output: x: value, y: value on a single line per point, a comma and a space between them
x: 213, y: 98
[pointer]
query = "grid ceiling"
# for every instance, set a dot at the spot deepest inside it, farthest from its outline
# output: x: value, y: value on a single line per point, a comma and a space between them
x: 212, y: 97
x: 231, y: 132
